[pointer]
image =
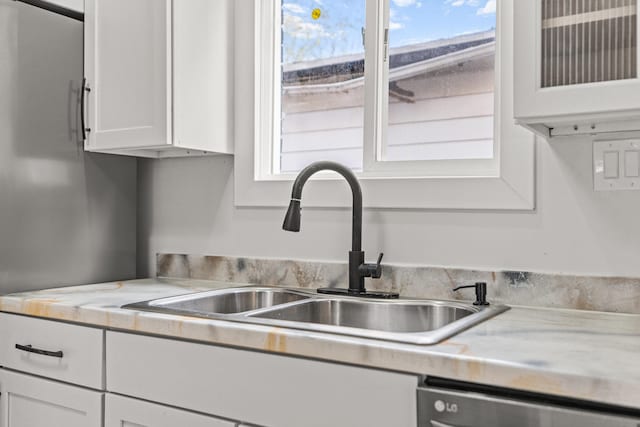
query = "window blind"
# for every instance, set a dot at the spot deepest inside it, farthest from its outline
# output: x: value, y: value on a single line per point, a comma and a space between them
x: 587, y: 41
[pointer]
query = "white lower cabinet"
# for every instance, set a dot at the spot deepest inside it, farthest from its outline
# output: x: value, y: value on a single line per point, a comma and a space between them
x: 126, y: 412
x: 61, y: 351
x: 257, y: 388
x: 28, y: 401
x: 131, y: 380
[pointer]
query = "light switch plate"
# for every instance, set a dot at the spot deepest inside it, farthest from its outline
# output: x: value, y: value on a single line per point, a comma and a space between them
x: 616, y: 165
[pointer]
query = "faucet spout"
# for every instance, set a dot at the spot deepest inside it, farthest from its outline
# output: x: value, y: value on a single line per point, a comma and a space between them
x: 356, y: 190
x: 358, y: 270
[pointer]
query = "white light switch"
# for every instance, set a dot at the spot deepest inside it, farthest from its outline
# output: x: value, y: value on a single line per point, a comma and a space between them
x: 632, y: 164
x: 616, y: 165
x: 611, y: 164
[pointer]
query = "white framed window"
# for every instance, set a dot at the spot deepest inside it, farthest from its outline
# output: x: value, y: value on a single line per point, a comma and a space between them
x: 423, y: 115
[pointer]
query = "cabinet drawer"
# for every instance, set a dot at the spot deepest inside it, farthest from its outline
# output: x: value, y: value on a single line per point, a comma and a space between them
x: 123, y: 411
x: 35, y: 402
x: 51, y: 349
x: 257, y: 388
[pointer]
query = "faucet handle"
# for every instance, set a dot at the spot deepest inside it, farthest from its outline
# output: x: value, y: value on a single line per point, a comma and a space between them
x: 378, y: 268
x: 372, y: 270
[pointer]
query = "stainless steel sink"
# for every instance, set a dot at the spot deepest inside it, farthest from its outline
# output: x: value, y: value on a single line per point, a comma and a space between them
x: 379, y: 316
x: 405, y: 320
x: 222, y: 301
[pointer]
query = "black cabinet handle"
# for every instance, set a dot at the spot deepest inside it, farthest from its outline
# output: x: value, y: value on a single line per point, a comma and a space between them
x: 84, y: 91
x: 31, y: 349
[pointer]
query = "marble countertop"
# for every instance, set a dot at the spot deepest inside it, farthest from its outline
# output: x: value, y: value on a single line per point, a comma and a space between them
x: 579, y: 354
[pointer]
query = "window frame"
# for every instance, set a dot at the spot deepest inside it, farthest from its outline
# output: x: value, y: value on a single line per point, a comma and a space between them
x: 509, y: 186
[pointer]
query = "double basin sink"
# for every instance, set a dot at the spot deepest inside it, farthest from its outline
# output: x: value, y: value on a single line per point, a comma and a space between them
x: 405, y: 320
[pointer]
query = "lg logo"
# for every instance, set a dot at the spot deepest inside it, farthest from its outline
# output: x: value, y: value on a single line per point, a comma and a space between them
x: 441, y: 406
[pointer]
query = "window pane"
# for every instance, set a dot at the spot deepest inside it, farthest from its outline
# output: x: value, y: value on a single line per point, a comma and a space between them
x: 322, y: 83
x: 441, y: 80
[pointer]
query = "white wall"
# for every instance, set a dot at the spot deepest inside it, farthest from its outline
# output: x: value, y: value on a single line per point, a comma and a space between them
x: 186, y: 206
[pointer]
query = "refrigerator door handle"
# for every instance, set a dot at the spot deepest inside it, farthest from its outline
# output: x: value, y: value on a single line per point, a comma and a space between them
x: 84, y: 93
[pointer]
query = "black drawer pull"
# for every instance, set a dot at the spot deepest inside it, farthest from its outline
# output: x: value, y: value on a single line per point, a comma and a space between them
x: 30, y: 349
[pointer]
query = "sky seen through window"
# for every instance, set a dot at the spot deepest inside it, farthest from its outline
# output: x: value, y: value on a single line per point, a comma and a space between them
x: 337, y: 31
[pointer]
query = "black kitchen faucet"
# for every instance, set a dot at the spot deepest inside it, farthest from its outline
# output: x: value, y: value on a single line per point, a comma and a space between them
x: 358, y: 269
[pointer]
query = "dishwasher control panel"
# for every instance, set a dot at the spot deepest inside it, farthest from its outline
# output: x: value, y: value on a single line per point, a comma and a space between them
x: 439, y: 407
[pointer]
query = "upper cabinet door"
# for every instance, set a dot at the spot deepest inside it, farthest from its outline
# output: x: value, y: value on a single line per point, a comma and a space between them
x: 127, y: 67
x: 576, y: 62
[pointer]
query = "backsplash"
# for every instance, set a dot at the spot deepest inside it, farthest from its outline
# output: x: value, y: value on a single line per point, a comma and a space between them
x: 613, y: 294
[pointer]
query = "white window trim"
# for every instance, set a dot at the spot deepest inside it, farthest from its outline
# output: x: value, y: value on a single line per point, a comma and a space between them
x: 512, y: 188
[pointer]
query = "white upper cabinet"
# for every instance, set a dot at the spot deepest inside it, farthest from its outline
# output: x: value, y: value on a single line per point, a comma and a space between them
x: 159, y: 77
x: 576, y: 66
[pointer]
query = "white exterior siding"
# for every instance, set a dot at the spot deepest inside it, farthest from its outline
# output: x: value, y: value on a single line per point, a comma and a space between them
x: 455, y: 127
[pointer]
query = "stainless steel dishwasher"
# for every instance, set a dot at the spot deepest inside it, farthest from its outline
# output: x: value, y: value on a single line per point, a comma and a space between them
x: 445, y: 403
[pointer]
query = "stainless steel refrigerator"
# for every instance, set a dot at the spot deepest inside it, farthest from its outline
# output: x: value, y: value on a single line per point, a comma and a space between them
x: 66, y: 217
